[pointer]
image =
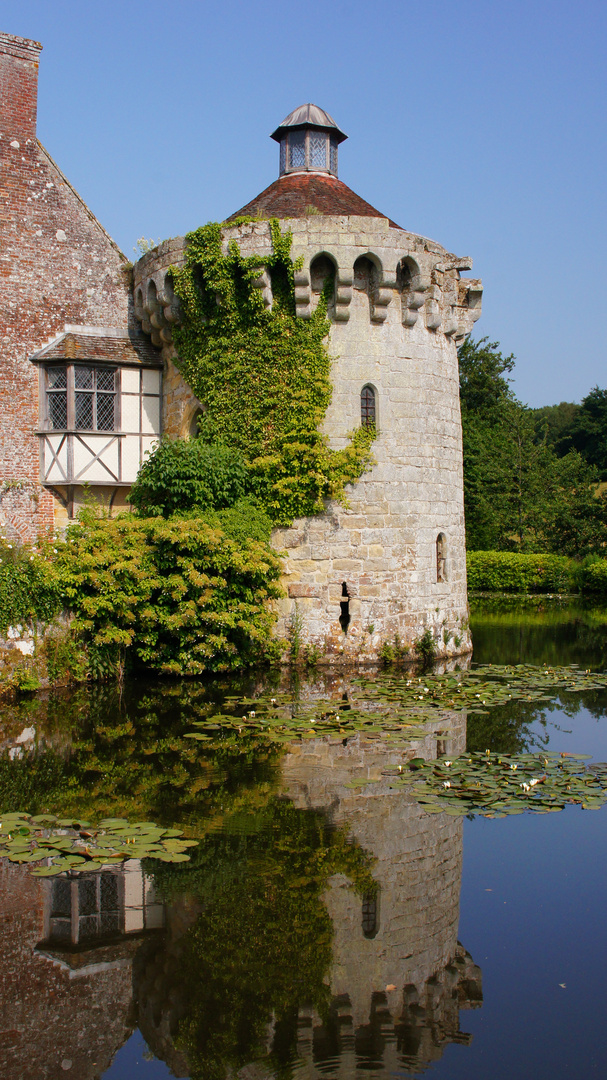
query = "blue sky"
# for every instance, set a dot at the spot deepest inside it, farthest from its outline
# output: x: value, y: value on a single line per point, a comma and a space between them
x: 480, y: 125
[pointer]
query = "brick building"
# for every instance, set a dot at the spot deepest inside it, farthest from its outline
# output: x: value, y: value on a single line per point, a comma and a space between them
x: 90, y: 375
x: 66, y: 303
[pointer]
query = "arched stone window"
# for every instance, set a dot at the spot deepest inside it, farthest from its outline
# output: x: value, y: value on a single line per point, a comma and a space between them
x: 368, y: 407
x: 441, y: 557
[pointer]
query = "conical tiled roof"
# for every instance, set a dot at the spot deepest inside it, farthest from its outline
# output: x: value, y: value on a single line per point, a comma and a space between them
x: 299, y: 194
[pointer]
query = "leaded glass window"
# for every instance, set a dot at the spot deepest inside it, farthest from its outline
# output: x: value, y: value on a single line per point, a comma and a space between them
x: 283, y: 153
x: 297, y: 149
x: 318, y: 150
x: 333, y: 155
x: 367, y: 407
x: 57, y: 398
x: 94, y: 398
x: 370, y: 923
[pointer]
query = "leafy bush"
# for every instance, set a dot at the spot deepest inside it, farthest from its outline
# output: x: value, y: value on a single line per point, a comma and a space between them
x: 592, y: 576
x: 246, y: 520
x: 30, y: 586
x: 174, y: 595
x: 189, y: 474
x: 505, y: 571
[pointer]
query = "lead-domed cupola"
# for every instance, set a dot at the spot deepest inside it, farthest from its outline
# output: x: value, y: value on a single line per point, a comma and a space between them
x: 308, y: 139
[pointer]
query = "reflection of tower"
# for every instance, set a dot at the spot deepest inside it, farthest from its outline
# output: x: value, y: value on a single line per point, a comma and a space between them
x: 67, y: 947
x: 399, y: 976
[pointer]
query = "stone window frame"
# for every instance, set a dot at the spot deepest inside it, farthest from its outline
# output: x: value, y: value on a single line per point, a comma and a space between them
x: 366, y: 422
x: 441, y: 558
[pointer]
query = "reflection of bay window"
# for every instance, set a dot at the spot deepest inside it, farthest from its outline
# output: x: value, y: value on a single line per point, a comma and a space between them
x: 98, y: 421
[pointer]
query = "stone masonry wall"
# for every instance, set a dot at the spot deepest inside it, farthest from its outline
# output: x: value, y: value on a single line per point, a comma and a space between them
x: 57, y: 266
x: 396, y: 330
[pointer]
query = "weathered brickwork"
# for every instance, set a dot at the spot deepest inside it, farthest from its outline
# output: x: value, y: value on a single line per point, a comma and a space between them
x: 57, y: 266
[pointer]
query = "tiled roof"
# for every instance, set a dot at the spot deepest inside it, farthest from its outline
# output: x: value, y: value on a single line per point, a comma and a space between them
x: 113, y: 348
x: 290, y: 197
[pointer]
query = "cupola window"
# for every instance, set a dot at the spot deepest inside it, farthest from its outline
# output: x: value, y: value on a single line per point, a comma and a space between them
x: 308, y: 139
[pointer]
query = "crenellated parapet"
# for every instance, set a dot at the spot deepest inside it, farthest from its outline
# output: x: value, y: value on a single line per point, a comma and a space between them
x: 397, y: 270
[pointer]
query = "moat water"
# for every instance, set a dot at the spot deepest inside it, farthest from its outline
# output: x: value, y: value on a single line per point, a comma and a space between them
x: 480, y: 956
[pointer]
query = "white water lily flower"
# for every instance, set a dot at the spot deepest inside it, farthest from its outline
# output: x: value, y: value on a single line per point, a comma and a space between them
x: 446, y: 783
x: 533, y: 782
x: 400, y: 768
x: 252, y: 714
x: 525, y: 787
x: 272, y: 701
x: 514, y: 767
x: 447, y: 763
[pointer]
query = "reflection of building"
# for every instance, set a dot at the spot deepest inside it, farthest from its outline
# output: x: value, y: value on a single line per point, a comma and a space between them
x: 67, y: 948
x: 399, y: 975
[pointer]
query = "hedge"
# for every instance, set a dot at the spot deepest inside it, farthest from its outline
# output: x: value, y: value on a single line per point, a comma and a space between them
x: 30, y: 586
x: 506, y: 571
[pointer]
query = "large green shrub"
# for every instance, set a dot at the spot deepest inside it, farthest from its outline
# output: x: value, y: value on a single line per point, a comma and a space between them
x: 189, y: 474
x: 592, y: 576
x: 505, y: 571
x: 175, y: 595
x: 30, y: 586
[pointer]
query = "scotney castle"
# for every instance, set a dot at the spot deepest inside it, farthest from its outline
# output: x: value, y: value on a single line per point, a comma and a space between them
x: 90, y: 376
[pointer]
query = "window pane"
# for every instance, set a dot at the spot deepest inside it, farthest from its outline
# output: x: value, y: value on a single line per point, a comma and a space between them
x: 57, y: 410
x: 105, y: 412
x: 318, y: 150
x: 83, y: 378
x: 333, y: 165
x: 367, y: 407
x: 105, y: 378
x: 283, y: 154
x: 297, y: 149
x: 84, y: 411
x: 57, y: 378
x: 87, y: 896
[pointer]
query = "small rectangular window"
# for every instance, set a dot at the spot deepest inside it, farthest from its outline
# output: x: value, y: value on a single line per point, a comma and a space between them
x: 297, y: 150
x: 318, y: 150
x: 57, y: 398
x: 333, y: 156
x: 94, y: 398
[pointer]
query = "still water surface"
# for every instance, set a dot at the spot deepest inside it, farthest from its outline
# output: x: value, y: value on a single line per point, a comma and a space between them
x: 482, y: 954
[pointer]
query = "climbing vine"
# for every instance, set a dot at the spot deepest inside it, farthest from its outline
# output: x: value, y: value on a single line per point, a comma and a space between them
x: 262, y: 373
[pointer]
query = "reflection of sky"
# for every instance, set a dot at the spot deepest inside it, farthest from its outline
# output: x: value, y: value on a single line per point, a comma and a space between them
x: 131, y: 1062
x: 533, y: 917
x: 580, y: 734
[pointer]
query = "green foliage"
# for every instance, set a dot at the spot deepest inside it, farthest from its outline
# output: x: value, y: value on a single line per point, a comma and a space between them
x: 505, y: 571
x: 592, y: 576
x: 587, y: 431
x: 175, y: 595
x: 246, y: 520
x: 519, y: 494
x: 261, y: 946
x: 552, y: 423
x: 30, y: 586
x: 263, y: 374
x: 189, y: 474
x: 426, y: 648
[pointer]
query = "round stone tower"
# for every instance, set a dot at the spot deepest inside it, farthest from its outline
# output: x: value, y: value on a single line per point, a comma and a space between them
x: 390, y: 565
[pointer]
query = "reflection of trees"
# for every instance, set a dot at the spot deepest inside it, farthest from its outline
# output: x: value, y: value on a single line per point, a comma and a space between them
x: 507, y: 728
x: 519, y: 630
x: 249, y: 939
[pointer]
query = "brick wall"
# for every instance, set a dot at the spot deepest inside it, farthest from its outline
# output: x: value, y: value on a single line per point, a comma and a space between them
x: 57, y: 266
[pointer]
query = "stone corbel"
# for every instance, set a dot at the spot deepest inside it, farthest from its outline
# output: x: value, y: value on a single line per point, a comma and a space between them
x: 475, y: 300
x: 432, y: 307
x: 303, y: 304
x: 264, y: 284
x: 343, y: 294
x: 414, y: 299
x: 383, y: 296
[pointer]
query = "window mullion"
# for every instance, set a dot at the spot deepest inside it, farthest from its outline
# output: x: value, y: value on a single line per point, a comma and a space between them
x: 71, y: 406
